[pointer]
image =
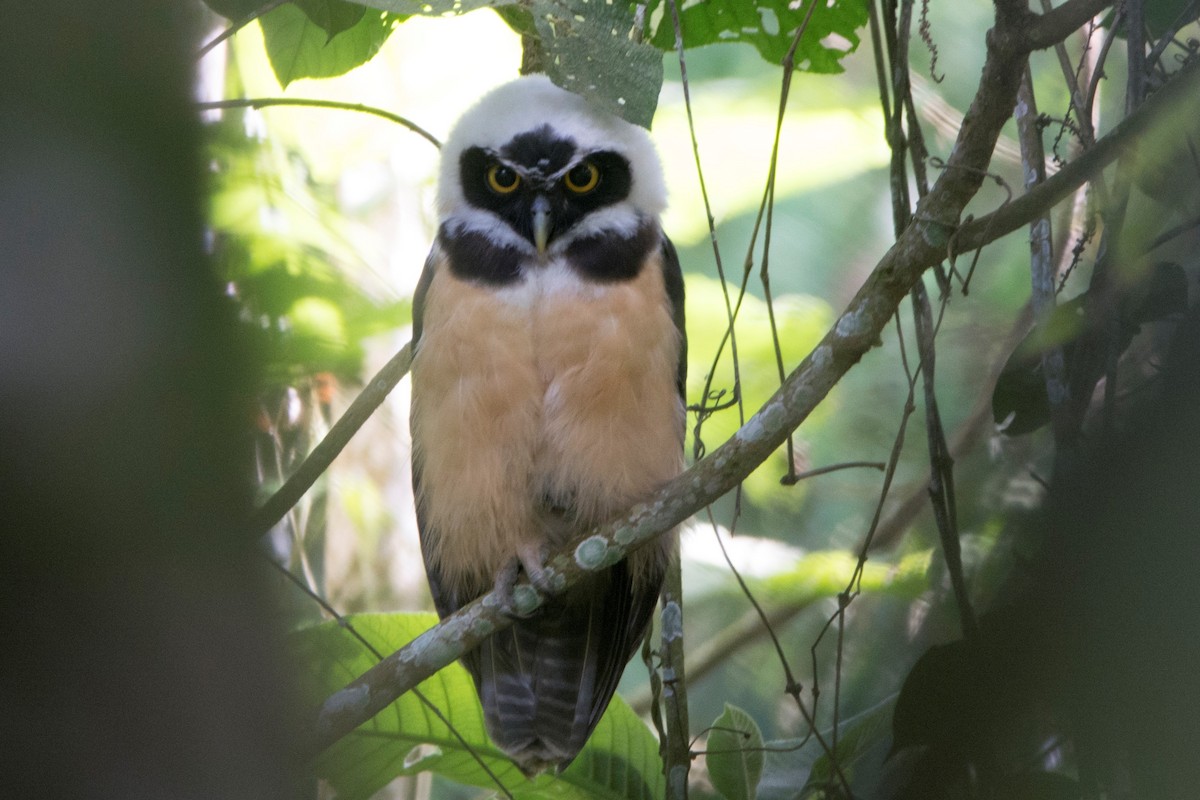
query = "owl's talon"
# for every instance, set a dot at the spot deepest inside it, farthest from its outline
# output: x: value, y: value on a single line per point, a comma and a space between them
x: 533, y: 559
x: 521, y: 600
x: 513, y: 603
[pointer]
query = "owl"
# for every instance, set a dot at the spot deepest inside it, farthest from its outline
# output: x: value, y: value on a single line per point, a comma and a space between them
x: 547, y: 396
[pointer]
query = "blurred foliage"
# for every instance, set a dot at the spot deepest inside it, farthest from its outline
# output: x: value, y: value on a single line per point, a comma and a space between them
x: 800, y: 322
x: 620, y: 760
x: 276, y: 243
x: 279, y: 244
x: 582, y: 45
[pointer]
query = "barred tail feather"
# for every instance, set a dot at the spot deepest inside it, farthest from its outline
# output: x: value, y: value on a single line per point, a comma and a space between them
x: 546, y: 681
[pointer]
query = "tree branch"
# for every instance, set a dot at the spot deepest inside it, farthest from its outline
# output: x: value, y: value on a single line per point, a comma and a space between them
x: 1057, y: 24
x: 1023, y: 210
x: 270, y: 512
x: 304, y: 102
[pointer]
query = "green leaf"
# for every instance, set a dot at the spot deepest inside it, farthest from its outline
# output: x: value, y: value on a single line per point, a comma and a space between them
x: 587, y: 49
x: 800, y: 768
x: 298, y: 47
x: 734, y: 754
x: 334, y: 16
x: 769, y: 25
x: 432, y: 8
x: 619, y: 761
x: 860, y: 750
x: 518, y: 18
x: 234, y: 9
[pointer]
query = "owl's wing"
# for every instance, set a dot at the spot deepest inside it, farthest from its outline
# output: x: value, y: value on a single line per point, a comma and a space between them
x: 418, y: 304
x: 445, y: 600
x: 673, y: 277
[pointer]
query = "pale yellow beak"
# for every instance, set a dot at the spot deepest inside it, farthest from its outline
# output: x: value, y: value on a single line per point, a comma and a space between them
x: 542, y: 223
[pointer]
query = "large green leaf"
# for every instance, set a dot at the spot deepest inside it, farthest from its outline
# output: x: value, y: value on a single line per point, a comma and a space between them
x: 334, y: 16
x: 734, y: 754
x: 234, y: 9
x: 620, y: 760
x: 298, y: 47
x: 432, y: 8
x: 588, y: 49
x: 769, y: 25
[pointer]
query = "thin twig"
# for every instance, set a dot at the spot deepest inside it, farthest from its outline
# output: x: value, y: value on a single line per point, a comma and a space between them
x: 1079, y: 101
x: 788, y: 64
x: 941, y: 486
x: 677, y: 756
x: 263, y: 102
x: 730, y: 311
x: 812, y: 473
x: 1110, y: 36
x: 1042, y: 264
x: 238, y: 25
x: 300, y: 481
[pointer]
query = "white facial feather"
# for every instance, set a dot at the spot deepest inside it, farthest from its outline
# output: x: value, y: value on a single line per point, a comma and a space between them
x: 531, y: 102
x: 478, y: 220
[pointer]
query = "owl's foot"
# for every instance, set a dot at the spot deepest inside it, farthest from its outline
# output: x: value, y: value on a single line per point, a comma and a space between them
x: 521, y: 600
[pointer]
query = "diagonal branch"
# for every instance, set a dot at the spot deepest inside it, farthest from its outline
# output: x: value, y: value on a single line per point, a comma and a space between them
x: 1057, y: 24
x: 1183, y: 86
x: 309, y: 102
x: 300, y: 481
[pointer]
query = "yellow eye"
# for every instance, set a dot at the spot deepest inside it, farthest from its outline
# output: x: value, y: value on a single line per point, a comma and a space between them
x: 502, y: 179
x: 583, y: 178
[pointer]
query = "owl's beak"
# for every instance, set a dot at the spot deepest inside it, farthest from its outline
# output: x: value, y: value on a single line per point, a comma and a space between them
x: 542, y: 223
